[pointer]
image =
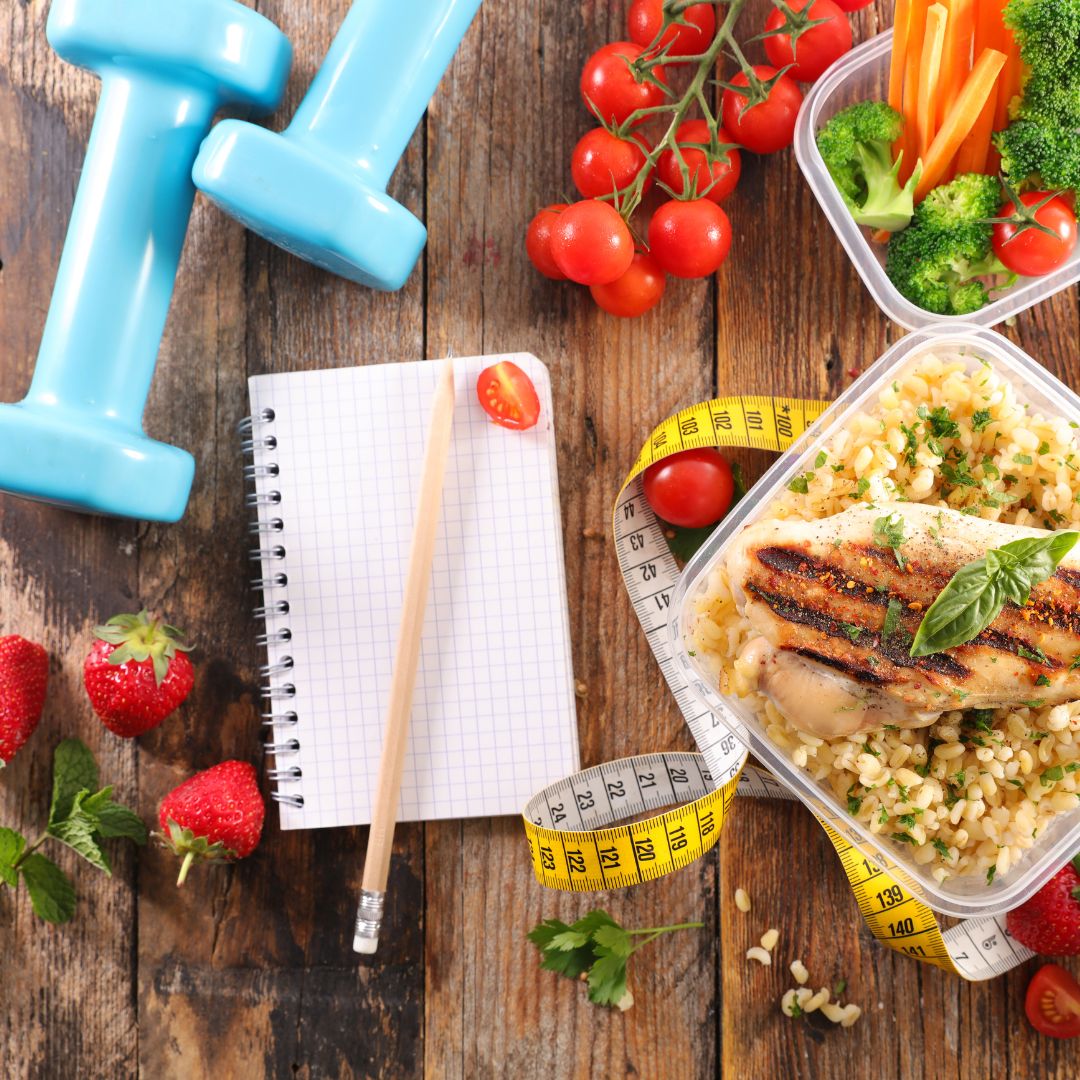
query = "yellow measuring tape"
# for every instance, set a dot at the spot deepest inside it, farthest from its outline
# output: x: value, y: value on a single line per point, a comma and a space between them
x: 581, y: 836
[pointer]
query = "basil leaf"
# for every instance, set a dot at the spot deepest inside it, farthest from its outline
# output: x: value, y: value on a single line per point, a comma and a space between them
x: 962, y: 610
x: 977, y: 592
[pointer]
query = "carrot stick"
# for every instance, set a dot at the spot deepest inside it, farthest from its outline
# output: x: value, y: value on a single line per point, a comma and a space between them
x: 912, y: 63
x: 937, y: 17
x: 1009, y: 83
x: 974, y: 152
x: 961, y: 118
x: 898, y: 57
x: 987, y: 25
x: 956, y: 60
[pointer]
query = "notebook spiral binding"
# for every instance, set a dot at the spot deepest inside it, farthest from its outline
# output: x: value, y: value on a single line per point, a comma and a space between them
x: 257, y: 437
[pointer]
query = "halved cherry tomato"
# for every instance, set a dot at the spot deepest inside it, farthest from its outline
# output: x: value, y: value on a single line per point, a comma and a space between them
x: 690, y: 489
x: 1030, y: 251
x: 508, y: 396
x: 1052, y: 1002
x: 538, y: 241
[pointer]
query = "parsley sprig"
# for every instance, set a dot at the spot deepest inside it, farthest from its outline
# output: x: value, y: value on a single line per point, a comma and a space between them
x: 597, y: 949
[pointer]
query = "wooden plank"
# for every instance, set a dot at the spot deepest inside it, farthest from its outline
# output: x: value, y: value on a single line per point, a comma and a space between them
x: 250, y: 969
x: 68, y: 1009
x: 493, y: 158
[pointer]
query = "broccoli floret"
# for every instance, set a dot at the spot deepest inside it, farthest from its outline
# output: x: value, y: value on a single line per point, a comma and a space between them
x: 969, y: 198
x: 940, y: 271
x: 856, y: 146
x: 1045, y: 156
x: 1042, y: 145
x: 938, y: 260
x: 1047, y: 33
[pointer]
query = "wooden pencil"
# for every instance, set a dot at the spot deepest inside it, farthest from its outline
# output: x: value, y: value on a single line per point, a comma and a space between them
x: 406, y: 658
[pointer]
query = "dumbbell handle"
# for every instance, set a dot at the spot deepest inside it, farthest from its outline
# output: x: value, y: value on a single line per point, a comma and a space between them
x: 124, y: 241
x: 392, y: 54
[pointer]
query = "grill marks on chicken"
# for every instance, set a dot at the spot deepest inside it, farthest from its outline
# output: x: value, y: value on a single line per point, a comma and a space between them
x: 819, y: 593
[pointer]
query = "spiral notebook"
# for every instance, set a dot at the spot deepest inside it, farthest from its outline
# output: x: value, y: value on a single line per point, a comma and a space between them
x: 336, y: 458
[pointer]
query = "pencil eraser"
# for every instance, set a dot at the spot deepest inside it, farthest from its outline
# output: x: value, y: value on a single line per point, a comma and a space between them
x: 366, y: 946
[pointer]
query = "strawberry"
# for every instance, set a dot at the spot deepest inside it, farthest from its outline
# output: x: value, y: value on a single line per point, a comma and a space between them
x: 136, y: 673
x: 1049, y: 922
x: 216, y: 815
x: 24, y: 671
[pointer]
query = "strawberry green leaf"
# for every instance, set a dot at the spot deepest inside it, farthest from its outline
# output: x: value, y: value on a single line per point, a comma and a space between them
x: 12, y: 845
x: 52, y: 894
x: 74, y: 770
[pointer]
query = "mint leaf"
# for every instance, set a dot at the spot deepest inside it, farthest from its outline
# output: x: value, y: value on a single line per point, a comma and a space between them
x: 12, y: 845
x: 74, y: 770
x: 52, y: 895
x: 115, y: 820
x: 79, y: 832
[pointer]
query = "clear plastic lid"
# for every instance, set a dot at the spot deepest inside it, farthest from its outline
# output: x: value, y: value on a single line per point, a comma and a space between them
x: 863, y: 75
x: 963, y: 896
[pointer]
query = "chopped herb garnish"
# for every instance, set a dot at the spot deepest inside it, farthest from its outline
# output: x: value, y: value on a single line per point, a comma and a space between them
x: 940, y: 847
x: 905, y: 838
x: 1051, y: 775
x: 889, y: 533
x: 907, y: 820
x: 1022, y: 459
x: 911, y: 446
x: 980, y: 419
x: 1044, y: 448
x: 1035, y: 654
x: 800, y: 484
x: 883, y: 817
x: 1042, y: 680
x: 939, y: 421
x: 820, y: 459
x: 852, y: 631
x: 990, y: 874
x: 959, y: 475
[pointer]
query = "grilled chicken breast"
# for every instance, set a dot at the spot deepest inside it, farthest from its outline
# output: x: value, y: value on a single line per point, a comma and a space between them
x: 818, y: 592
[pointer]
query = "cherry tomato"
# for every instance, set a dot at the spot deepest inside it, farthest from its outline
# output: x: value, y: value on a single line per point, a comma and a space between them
x: 690, y: 489
x: 508, y: 396
x: 853, y: 5
x: 538, y: 241
x: 646, y: 17
x: 1052, y: 1002
x: 714, y: 180
x: 813, y: 50
x: 769, y: 125
x: 591, y: 244
x: 1030, y: 251
x: 690, y: 239
x: 609, y: 84
x: 602, y: 163
x: 638, y: 290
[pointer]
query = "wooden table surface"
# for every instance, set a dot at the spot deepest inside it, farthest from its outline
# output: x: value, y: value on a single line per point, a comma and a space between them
x: 248, y: 971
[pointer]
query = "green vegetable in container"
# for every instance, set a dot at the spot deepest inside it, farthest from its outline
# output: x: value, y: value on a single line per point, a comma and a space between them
x: 856, y: 146
x: 939, y: 261
x: 1042, y: 145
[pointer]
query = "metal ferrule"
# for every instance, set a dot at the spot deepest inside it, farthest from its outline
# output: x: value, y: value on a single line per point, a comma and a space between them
x: 369, y: 915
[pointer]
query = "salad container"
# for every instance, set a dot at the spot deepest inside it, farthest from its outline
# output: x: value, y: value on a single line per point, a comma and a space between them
x: 863, y: 75
x: 965, y: 896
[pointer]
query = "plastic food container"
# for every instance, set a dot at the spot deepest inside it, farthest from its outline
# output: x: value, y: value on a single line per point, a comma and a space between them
x: 860, y: 76
x: 962, y: 896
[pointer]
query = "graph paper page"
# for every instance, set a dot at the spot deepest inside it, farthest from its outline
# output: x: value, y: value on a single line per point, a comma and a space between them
x: 493, y: 716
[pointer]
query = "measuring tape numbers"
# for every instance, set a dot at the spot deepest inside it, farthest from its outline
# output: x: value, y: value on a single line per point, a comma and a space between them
x: 579, y: 830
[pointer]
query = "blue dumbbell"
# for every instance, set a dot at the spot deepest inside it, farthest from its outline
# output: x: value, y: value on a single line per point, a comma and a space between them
x: 166, y: 67
x: 318, y: 189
